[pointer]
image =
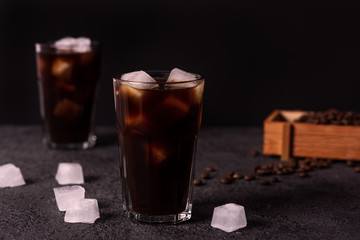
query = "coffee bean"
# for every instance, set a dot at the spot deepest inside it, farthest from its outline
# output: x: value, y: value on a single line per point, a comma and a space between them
x: 249, y: 177
x: 209, y: 169
x: 230, y: 173
x: 226, y: 180
x: 275, y: 179
x: 325, y: 165
x: 261, y: 172
x: 205, y: 175
x: 350, y: 163
x: 357, y: 169
x: 264, y: 167
x: 292, y: 162
x: 238, y: 175
x: 331, y: 116
x: 329, y: 161
x: 264, y: 182
x: 198, y: 182
x: 255, y: 153
x: 303, y: 174
x: 290, y: 169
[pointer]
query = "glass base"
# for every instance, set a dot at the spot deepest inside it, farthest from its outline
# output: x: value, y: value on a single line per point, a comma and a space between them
x: 167, y: 219
x: 90, y: 143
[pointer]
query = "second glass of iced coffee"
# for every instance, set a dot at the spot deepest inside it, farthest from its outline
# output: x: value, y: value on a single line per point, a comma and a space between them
x: 158, y: 116
x: 68, y: 76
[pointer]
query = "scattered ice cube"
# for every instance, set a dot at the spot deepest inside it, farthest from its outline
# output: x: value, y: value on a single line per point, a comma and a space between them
x: 139, y: 80
x: 67, y: 109
x: 69, y: 173
x: 229, y: 217
x: 178, y: 75
x: 10, y: 176
x: 62, y: 69
x: 80, y: 44
x: 82, y: 211
x: 64, y: 195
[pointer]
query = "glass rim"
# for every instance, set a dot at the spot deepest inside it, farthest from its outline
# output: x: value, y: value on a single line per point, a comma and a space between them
x: 165, y: 73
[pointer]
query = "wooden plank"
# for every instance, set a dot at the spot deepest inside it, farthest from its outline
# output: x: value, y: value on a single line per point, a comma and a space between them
x: 286, y: 142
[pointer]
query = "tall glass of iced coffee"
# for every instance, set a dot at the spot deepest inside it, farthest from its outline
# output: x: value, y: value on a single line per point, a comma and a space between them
x: 68, y: 76
x: 158, y: 116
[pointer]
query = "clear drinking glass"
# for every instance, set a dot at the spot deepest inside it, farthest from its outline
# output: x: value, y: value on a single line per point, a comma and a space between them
x: 158, y: 125
x: 68, y: 81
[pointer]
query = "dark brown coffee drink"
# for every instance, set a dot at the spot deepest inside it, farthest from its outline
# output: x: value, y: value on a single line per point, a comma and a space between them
x: 158, y: 126
x: 68, y: 82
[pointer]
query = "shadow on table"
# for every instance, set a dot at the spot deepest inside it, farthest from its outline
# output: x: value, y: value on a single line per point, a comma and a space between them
x: 89, y: 179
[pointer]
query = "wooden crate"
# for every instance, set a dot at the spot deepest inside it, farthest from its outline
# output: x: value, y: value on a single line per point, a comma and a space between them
x: 284, y: 137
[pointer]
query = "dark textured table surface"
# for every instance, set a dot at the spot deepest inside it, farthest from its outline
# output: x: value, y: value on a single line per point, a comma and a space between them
x: 324, y: 205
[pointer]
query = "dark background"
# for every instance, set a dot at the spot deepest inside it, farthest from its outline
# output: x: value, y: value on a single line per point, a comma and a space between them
x: 256, y: 56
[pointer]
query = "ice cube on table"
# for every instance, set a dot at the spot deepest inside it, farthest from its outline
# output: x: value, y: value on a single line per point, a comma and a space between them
x: 10, y: 176
x: 139, y: 80
x: 178, y: 75
x: 82, y: 211
x: 229, y: 217
x: 64, y: 195
x: 69, y: 173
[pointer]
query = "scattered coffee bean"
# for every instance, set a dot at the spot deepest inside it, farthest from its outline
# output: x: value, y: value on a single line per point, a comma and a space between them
x: 264, y: 182
x: 357, y: 169
x: 249, y: 177
x: 303, y: 174
x: 238, y: 175
x: 261, y: 172
x: 275, y: 179
x: 329, y: 161
x: 256, y: 167
x: 255, y: 153
x: 350, y: 163
x: 204, y: 175
x: 198, y: 182
x: 226, y: 180
x: 209, y: 169
x: 230, y: 173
